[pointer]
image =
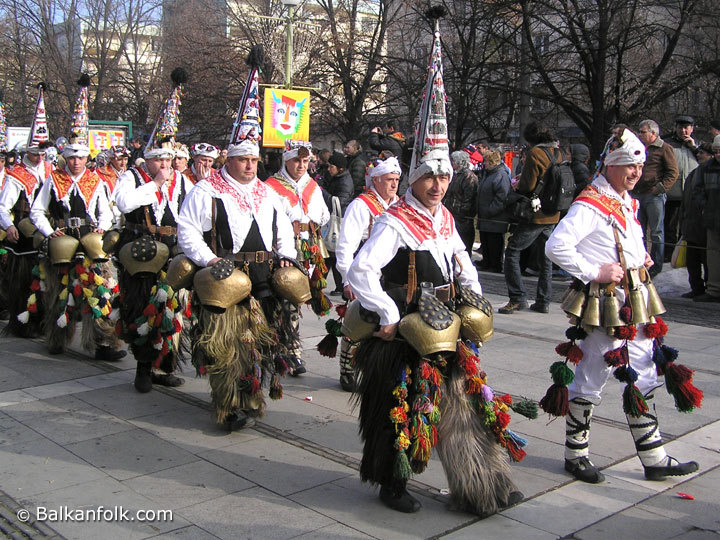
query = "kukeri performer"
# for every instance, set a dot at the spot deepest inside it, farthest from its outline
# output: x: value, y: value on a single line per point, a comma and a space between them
x: 150, y: 197
x: 304, y: 205
x: 420, y: 385
x: 615, y: 312
x: 233, y: 226
x: 117, y: 164
x: 21, y: 281
x: 79, y: 283
x: 381, y: 182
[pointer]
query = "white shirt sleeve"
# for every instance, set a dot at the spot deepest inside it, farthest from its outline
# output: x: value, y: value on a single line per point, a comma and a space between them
x: 128, y: 197
x: 104, y: 211
x: 285, y: 235
x: 38, y: 211
x: 468, y: 276
x: 365, y: 271
x: 8, y: 198
x: 562, y: 246
x: 354, y: 224
x: 195, y: 218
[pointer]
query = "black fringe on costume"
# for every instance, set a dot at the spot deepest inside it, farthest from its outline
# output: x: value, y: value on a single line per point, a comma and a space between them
x: 475, y: 464
x: 16, y: 283
x: 134, y: 297
x: 378, y: 364
x: 283, y: 318
x: 236, y: 349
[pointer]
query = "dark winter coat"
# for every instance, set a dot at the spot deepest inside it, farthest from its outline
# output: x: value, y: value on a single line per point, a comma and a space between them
x: 392, y: 143
x: 580, y: 154
x: 356, y: 167
x: 691, y: 219
x: 706, y: 193
x: 460, y: 195
x: 492, y: 194
x: 340, y: 186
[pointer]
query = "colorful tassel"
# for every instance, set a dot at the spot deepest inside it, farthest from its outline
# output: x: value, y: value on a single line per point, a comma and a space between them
x: 527, y: 408
x: 678, y: 381
x: 328, y: 346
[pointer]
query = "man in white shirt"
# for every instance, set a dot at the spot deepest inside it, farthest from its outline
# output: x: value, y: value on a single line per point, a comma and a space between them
x: 382, y: 183
x: 232, y: 218
x: 600, y: 241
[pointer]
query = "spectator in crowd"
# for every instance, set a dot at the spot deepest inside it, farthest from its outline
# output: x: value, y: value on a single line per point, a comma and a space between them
x: 579, y: 155
x: 706, y: 194
x: 492, y: 193
x: 658, y: 177
x: 136, y: 151
x: 357, y: 162
x: 321, y: 172
x: 544, y: 148
x: 340, y: 185
x: 685, y: 149
x: 714, y: 128
x: 460, y: 198
x: 692, y: 230
x: 387, y: 138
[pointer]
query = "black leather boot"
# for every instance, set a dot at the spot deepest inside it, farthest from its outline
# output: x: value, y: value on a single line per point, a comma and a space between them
x: 143, y: 377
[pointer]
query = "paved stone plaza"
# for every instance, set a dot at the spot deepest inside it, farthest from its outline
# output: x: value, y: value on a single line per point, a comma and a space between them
x: 74, y: 433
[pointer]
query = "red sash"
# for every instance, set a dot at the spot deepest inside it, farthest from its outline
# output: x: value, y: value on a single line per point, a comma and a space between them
x: 373, y: 203
x: 25, y: 177
x: 87, y: 184
x: 285, y: 189
x: 606, y: 206
x: 109, y: 176
x: 419, y: 225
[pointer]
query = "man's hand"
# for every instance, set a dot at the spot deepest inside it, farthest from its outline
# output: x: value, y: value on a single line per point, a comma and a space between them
x: 162, y: 176
x: 97, y: 230
x: 202, y: 170
x: 12, y: 234
x: 376, y: 130
x: 284, y: 263
x: 348, y: 294
x: 387, y: 332
x: 214, y: 261
x: 610, y: 273
x: 648, y: 260
x: 57, y: 233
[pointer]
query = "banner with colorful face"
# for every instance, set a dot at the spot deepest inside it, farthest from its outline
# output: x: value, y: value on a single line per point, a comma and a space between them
x: 286, y: 115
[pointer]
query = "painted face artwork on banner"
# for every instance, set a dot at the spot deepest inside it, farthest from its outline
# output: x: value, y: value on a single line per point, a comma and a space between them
x: 286, y: 116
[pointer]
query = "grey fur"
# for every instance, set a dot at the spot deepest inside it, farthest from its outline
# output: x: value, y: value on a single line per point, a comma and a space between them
x: 476, y: 466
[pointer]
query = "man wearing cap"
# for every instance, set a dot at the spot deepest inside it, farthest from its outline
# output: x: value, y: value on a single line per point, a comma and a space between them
x: 658, y: 176
x: 149, y: 197
x: 413, y: 391
x: 381, y: 183
x: 22, y: 184
x: 204, y: 155
x: 76, y: 200
x: 304, y: 205
x: 600, y: 241
x: 685, y: 149
x: 232, y: 218
x: 706, y: 194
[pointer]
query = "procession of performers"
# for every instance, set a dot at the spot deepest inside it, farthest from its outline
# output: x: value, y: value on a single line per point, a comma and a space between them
x: 226, y: 260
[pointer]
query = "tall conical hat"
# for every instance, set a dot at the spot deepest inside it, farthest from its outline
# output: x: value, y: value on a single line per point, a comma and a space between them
x: 246, y: 132
x: 431, y: 149
x: 80, y: 123
x: 162, y: 140
x: 39, y: 128
x: 3, y: 126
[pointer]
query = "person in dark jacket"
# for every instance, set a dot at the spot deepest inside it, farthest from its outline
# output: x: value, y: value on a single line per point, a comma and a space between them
x: 492, y: 193
x: 693, y: 230
x: 387, y: 138
x: 340, y: 185
x: 579, y: 155
x: 460, y: 198
x: 706, y: 194
x: 357, y: 163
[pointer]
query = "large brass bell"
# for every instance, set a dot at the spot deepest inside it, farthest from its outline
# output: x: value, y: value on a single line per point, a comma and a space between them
x: 476, y: 324
x: 143, y: 256
x: 358, y: 324
x: 292, y: 284
x: 298, y: 248
x: 425, y: 339
x: 110, y: 240
x: 654, y: 303
x: 93, y: 244
x: 62, y: 249
x: 574, y: 303
x: 221, y: 286
x: 591, y: 315
x: 637, y: 301
x: 180, y: 273
x: 26, y: 227
x: 611, y: 312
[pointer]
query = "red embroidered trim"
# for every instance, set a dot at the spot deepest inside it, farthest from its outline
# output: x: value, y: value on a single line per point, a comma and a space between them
x: 222, y: 187
x: 372, y: 202
x: 87, y: 184
x: 418, y: 225
x: 607, y: 206
x: 25, y: 177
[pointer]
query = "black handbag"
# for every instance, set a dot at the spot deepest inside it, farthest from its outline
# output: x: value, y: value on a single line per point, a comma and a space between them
x: 519, y: 207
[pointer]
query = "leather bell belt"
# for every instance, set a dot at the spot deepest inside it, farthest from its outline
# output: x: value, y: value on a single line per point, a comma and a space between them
x: 161, y: 230
x: 444, y: 293
x: 253, y: 256
x: 72, y: 223
x: 300, y: 227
